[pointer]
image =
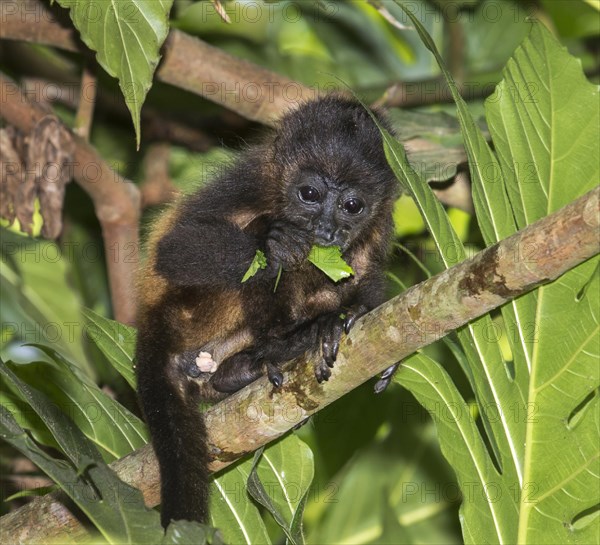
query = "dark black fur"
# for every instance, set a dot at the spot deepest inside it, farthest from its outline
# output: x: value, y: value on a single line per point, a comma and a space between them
x: 192, y: 298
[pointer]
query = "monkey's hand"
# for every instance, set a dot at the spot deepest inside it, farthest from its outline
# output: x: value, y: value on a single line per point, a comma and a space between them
x: 287, y: 247
x: 331, y: 327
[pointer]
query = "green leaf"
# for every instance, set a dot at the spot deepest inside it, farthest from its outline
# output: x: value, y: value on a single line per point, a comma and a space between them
x: 546, y: 138
x: 259, y: 262
x: 114, y: 429
x: 329, y: 260
x: 116, y: 509
x: 126, y: 36
x: 67, y: 435
x: 232, y: 510
x: 38, y: 303
x: 451, y: 250
x: 544, y: 119
x: 115, y: 340
x: 549, y: 395
x: 462, y: 445
x: 280, y: 479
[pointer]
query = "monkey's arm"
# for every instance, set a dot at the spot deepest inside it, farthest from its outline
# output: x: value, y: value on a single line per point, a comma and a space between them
x: 205, y: 253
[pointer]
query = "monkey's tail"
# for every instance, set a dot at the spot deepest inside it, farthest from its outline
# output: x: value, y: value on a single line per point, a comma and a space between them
x: 178, y: 433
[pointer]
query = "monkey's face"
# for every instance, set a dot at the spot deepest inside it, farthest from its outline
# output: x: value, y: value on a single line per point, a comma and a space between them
x: 331, y: 213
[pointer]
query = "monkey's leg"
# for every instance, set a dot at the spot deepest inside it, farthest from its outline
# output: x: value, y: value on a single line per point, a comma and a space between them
x: 236, y: 372
x: 243, y: 368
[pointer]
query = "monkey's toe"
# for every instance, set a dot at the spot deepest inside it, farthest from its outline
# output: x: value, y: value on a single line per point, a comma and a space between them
x: 322, y: 371
x: 330, y: 352
x: 274, y: 375
x: 352, y: 316
x: 386, y: 378
x: 331, y: 328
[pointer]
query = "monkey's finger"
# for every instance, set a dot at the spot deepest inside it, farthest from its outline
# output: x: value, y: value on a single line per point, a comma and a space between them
x: 352, y: 316
x: 332, y: 333
x: 328, y: 354
x: 386, y: 378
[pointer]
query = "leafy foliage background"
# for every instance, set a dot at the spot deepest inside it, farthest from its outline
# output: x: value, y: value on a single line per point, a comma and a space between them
x: 500, y: 421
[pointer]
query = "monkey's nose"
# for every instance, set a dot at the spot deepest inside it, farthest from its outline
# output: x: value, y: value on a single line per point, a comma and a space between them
x: 324, y: 236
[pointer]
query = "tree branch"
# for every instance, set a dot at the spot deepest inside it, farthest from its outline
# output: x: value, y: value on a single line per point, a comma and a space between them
x: 116, y: 200
x: 259, y: 413
x: 189, y: 63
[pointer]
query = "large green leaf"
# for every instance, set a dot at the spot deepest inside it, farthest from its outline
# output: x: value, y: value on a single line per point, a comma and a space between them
x: 38, y: 304
x: 284, y: 471
x: 280, y: 479
x: 115, y: 340
x: 547, y: 401
x: 116, y: 509
x: 481, y: 484
x: 544, y: 119
x: 114, y: 429
x: 488, y: 377
x: 233, y: 511
x: 126, y: 36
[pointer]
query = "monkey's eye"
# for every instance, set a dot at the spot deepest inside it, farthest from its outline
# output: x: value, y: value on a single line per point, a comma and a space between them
x: 309, y: 194
x: 353, y: 206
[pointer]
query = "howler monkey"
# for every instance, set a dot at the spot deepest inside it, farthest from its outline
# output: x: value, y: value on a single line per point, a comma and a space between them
x: 321, y: 179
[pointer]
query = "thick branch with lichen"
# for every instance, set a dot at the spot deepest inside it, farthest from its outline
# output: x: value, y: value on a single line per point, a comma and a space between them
x: 259, y: 413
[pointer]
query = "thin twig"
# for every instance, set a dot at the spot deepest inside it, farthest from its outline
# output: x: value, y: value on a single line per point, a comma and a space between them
x: 87, y: 101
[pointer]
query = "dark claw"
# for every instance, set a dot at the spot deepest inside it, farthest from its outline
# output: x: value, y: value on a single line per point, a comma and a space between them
x: 352, y: 316
x: 328, y: 354
x: 274, y: 375
x: 331, y: 328
x: 386, y: 378
x: 335, y: 347
x: 349, y: 323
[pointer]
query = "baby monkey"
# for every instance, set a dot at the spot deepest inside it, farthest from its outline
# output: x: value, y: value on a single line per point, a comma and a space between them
x: 321, y: 178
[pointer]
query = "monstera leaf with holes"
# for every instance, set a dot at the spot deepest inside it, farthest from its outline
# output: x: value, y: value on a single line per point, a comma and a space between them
x: 530, y: 472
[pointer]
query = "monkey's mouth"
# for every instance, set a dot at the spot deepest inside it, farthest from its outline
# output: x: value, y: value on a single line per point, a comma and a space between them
x: 336, y: 240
